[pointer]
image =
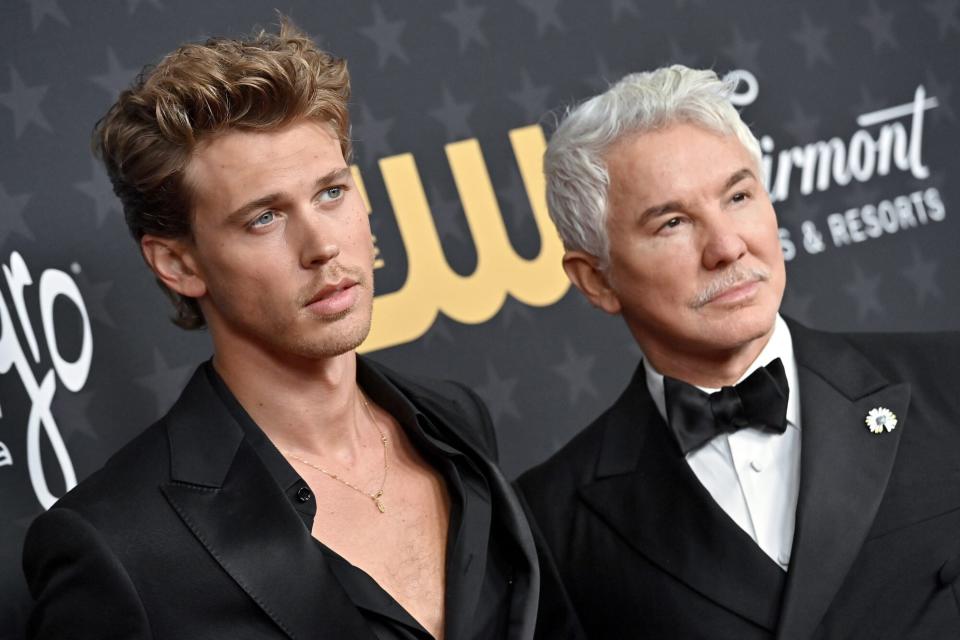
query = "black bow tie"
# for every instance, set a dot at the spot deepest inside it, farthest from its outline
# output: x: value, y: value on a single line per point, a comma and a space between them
x: 758, y: 401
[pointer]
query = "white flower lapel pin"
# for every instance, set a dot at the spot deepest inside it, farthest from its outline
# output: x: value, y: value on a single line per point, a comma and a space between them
x: 881, y: 419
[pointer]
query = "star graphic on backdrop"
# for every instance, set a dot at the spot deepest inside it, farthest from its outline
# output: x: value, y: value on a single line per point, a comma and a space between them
x: 439, y: 331
x: 371, y: 134
x: 680, y: 56
x: 880, y: 26
x: 447, y: 215
x: 813, y: 39
x: 863, y: 289
x: 743, y: 52
x: 133, y: 5
x: 453, y: 116
x: 868, y: 102
x: 71, y: 411
x: 94, y: 298
x: 801, y: 125
x: 11, y: 215
x: 545, y: 12
x: 532, y: 98
x: 797, y: 305
x: 98, y: 187
x: 601, y: 79
x: 575, y: 370
x: 518, y: 204
x: 40, y: 9
x: 24, y: 102
x: 620, y: 7
x: 386, y: 35
x: 466, y: 20
x: 922, y: 273
x: 497, y: 393
x: 117, y: 78
x: 859, y: 194
x: 513, y: 309
x: 941, y: 91
x: 166, y: 382
x: 944, y: 13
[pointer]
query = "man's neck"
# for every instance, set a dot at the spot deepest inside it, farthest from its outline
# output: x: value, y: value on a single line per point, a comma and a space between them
x: 302, y: 404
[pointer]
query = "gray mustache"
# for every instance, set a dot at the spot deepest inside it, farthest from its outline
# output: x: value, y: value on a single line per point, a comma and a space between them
x: 732, y: 277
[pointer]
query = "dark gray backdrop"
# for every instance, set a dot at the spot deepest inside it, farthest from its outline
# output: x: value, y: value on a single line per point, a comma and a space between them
x: 878, y: 253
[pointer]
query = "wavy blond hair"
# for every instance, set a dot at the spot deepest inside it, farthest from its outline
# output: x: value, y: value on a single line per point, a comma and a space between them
x: 261, y: 83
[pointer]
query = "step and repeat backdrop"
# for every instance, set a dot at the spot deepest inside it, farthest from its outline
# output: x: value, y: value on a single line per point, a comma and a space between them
x: 854, y: 102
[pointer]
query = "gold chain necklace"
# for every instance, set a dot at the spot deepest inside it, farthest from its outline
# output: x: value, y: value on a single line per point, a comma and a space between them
x: 376, y: 496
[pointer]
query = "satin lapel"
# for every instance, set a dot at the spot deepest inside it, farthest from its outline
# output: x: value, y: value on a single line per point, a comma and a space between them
x: 526, y: 587
x: 844, y: 471
x: 227, y: 498
x: 646, y: 492
x: 445, y: 420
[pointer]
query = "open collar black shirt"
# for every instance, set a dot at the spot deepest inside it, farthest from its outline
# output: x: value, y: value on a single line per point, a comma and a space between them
x: 477, y: 548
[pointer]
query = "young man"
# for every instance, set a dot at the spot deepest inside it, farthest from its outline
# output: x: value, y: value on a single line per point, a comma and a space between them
x: 756, y: 479
x: 295, y: 489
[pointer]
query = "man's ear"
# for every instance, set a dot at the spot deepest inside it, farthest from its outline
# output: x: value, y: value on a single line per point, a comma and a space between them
x: 584, y: 272
x: 172, y: 262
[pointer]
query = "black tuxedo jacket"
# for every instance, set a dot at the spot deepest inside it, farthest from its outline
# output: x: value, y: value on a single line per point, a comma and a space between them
x: 645, y: 552
x: 184, y: 534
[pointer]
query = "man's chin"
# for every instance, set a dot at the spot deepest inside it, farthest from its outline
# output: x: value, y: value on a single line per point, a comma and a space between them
x: 742, y: 328
x: 338, y: 343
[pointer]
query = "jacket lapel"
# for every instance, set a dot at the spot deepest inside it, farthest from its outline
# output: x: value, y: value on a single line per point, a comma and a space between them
x: 510, y: 515
x: 444, y: 419
x: 844, y: 471
x: 225, y: 495
x: 647, y: 493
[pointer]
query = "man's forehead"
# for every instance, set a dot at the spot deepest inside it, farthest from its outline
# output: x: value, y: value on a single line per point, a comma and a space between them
x: 242, y: 164
x: 678, y: 154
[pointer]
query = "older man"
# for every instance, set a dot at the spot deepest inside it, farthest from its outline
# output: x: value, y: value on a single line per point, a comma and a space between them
x: 295, y: 490
x: 757, y: 478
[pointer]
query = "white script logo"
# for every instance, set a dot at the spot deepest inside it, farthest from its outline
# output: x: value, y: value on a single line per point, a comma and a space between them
x: 73, y: 375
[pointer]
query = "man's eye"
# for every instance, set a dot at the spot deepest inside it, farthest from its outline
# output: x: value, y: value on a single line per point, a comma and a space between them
x: 671, y: 223
x: 263, y: 219
x: 332, y: 193
x: 740, y: 196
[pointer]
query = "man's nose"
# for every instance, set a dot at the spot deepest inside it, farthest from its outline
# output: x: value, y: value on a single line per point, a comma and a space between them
x: 724, y: 244
x: 317, y: 240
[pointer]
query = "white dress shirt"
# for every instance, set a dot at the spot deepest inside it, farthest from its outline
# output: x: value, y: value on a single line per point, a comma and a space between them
x: 754, y: 476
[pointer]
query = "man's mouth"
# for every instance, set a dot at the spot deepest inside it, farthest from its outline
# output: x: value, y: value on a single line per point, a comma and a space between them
x: 335, y: 298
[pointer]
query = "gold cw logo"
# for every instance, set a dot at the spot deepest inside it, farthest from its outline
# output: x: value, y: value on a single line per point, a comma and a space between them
x: 431, y: 285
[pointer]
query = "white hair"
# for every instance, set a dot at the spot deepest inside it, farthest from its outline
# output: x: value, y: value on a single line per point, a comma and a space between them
x: 575, y: 163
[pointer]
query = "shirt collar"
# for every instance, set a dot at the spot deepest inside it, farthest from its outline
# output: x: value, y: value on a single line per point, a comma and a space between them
x: 779, y: 345
x: 377, y: 387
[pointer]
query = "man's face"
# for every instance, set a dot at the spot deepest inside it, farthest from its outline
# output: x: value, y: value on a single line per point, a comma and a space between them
x: 281, y: 242
x: 695, y: 260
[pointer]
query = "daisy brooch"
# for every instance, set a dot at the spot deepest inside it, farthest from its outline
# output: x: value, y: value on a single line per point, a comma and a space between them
x: 881, y: 419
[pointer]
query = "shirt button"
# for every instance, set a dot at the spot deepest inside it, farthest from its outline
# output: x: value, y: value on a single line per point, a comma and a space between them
x: 756, y: 465
x: 304, y: 495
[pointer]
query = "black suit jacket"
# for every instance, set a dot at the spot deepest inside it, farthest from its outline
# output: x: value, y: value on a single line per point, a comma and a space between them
x: 646, y: 552
x: 184, y: 534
